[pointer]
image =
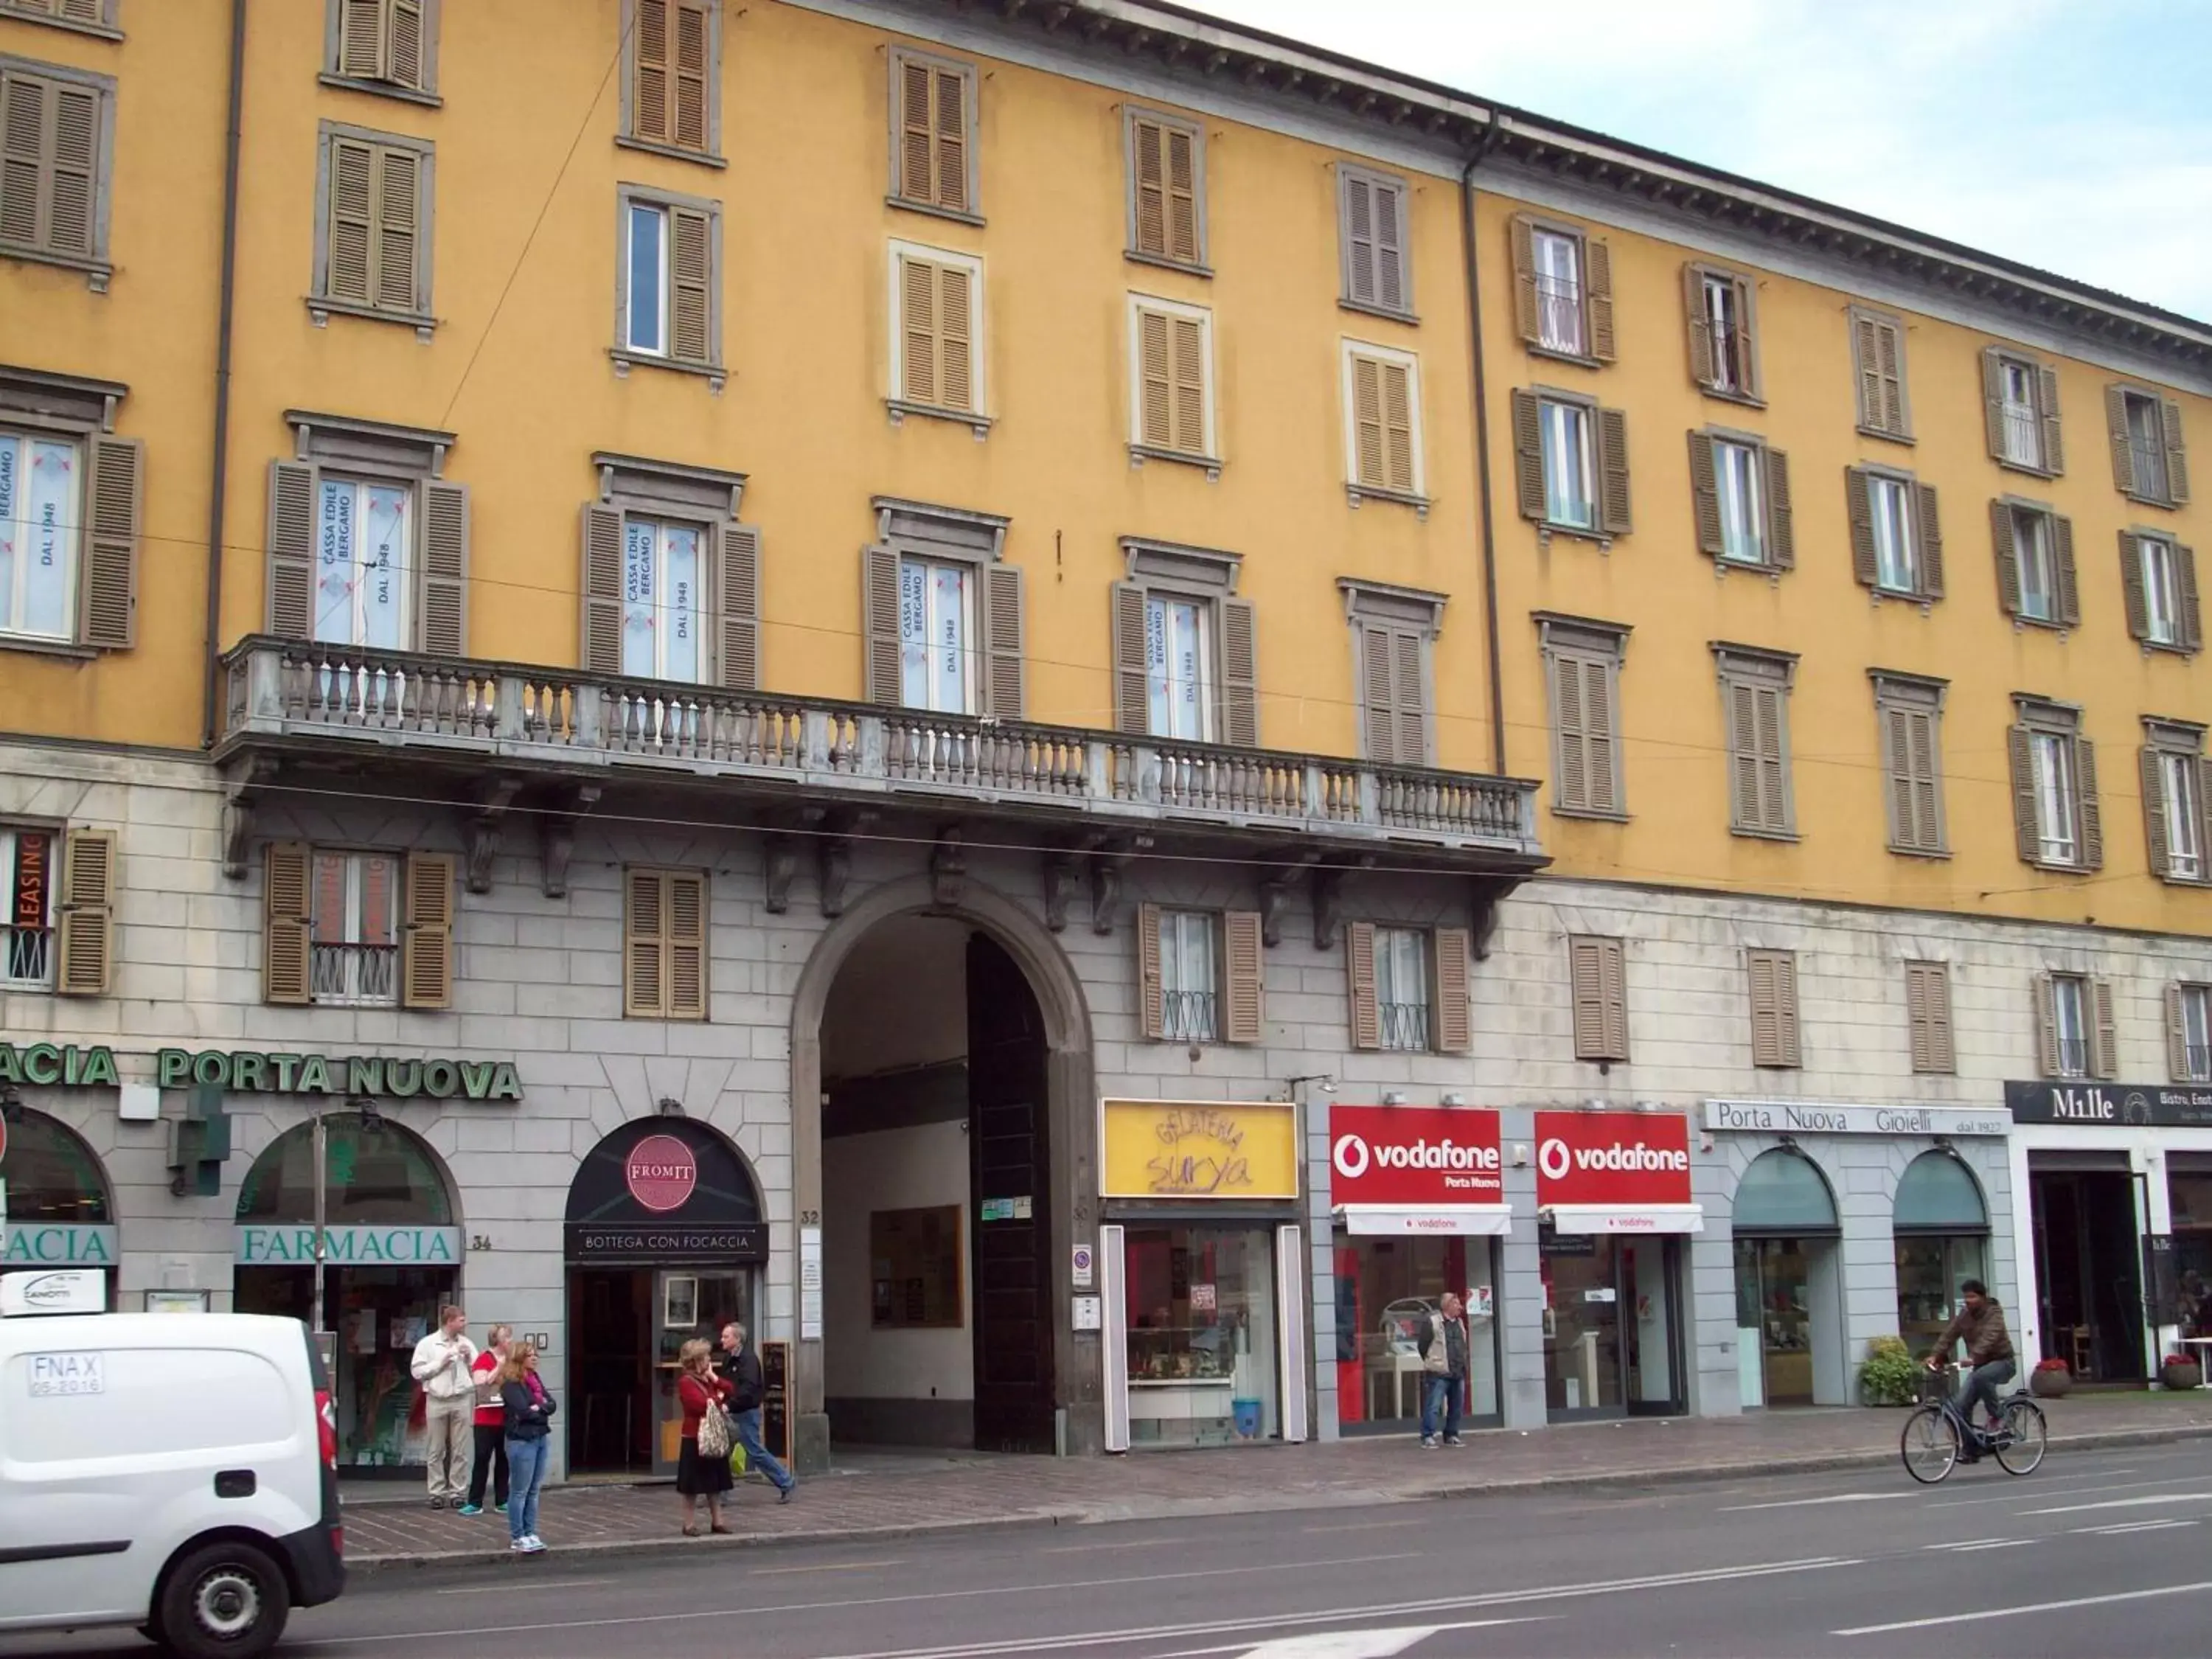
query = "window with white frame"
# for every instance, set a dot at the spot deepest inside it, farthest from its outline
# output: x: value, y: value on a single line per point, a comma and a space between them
x: 937, y: 630
x: 1179, y: 666
x: 664, y: 613
x: 27, y: 930
x: 2057, y: 803
x: 364, y: 562
x: 1569, y: 498
x: 2182, y: 800
x: 1743, y: 514
x: 2069, y: 1024
x: 1558, y: 292
x: 2160, y: 590
x: 645, y: 259
x: 353, y: 929
x: 1722, y: 297
x: 2020, y: 422
x: 1189, y: 955
x: 1401, y: 987
x: 1896, y: 559
x: 2193, y: 1005
x: 2038, y: 569
x: 39, y: 492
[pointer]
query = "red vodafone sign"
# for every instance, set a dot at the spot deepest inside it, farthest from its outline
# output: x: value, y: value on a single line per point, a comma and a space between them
x: 1416, y: 1169
x: 661, y: 1172
x: 1619, y: 1160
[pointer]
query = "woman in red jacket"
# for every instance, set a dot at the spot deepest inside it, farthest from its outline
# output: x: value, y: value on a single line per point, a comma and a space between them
x: 696, y: 1387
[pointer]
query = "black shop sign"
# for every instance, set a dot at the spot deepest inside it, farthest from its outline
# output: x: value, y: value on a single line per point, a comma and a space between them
x: 593, y: 1244
x: 2112, y: 1105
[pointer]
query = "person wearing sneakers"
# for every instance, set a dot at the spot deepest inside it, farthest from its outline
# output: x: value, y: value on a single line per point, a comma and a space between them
x: 742, y: 1367
x: 528, y: 1405
x: 449, y: 1396
x: 1443, y: 1357
x: 491, y: 1425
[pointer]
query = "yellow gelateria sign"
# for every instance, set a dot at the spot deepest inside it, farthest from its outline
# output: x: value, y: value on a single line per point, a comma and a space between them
x: 1199, y: 1149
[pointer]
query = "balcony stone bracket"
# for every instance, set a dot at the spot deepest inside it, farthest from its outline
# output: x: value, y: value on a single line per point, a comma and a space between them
x: 1485, y: 906
x: 243, y: 788
x: 1275, y: 892
x: 493, y: 798
x: 780, y: 864
x: 1059, y: 887
x: 948, y: 869
x: 1108, y: 859
x: 557, y: 839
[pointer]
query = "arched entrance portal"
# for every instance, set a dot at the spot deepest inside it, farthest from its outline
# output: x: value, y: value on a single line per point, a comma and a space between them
x: 664, y: 1241
x: 1789, y: 1283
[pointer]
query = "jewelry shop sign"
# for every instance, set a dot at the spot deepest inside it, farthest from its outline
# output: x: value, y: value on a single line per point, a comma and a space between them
x: 1814, y: 1117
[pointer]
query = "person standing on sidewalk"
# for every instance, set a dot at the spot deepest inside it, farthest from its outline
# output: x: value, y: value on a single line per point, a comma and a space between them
x: 742, y: 1367
x: 441, y: 1365
x: 490, y: 1424
x: 528, y: 1406
x: 699, y: 1473
x: 1443, y: 1355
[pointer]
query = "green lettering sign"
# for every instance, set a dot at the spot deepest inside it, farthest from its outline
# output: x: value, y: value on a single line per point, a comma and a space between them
x: 248, y: 1073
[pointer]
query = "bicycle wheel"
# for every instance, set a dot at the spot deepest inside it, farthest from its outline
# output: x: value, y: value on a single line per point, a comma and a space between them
x: 1929, y: 1444
x: 2026, y: 1438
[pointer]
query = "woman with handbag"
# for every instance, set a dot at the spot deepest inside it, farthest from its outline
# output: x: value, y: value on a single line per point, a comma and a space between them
x: 703, y: 1468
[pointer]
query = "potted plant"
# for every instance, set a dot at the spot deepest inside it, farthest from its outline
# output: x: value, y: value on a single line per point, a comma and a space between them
x: 2052, y: 1379
x: 1887, y: 1375
x: 2181, y: 1370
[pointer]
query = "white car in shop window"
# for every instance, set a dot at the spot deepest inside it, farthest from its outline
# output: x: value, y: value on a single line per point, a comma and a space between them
x: 174, y: 1472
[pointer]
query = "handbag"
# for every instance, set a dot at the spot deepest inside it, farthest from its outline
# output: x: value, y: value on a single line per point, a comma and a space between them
x: 715, y: 1431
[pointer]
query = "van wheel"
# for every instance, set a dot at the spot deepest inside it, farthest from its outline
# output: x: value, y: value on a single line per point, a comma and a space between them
x: 224, y: 1601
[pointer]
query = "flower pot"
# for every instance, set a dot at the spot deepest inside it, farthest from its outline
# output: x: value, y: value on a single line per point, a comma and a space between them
x: 2050, y: 1385
x: 2182, y: 1374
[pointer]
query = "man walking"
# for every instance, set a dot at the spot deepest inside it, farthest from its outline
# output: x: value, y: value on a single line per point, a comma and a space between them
x: 490, y: 1424
x: 442, y: 1362
x: 1443, y: 1357
x: 742, y: 1367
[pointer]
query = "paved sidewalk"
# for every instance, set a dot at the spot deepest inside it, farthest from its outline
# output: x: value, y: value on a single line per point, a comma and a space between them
x: 879, y: 1494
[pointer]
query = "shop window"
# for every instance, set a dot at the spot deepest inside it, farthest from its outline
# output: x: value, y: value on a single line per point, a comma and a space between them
x: 58, y: 1212
x: 27, y: 930
x: 1384, y: 1286
x: 1942, y: 1227
x: 1203, y: 1361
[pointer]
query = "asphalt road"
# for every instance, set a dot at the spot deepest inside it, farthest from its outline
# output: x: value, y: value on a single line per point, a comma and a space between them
x: 2096, y: 1554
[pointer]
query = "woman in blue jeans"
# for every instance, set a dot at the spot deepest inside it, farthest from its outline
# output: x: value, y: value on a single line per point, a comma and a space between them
x: 529, y: 1406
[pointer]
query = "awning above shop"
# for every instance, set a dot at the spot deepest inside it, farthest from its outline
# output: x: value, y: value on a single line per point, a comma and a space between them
x: 1624, y: 1218
x: 1466, y: 1220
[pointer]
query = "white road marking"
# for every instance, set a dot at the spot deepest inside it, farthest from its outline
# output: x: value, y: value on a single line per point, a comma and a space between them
x: 1967, y: 1544
x: 827, y: 1567
x: 1374, y: 1526
x: 1345, y: 1645
x: 1806, y: 1502
x: 1125, y: 1544
x: 1976, y: 1618
x: 1276, y: 1649
x: 2127, y: 1502
x: 535, y: 1585
x: 2061, y: 1491
x: 2133, y: 1527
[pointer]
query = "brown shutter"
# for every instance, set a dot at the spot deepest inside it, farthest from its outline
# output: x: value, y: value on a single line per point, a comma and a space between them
x: 879, y: 609
x: 286, y: 978
x: 1923, y: 765
x: 2046, y: 1026
x: 951, y: 113
x: 2131, y: 584
x: 293, y: 494
x: 1613, y: 515
x: 1132, y: 707
x: 1774, y: 1009
x: 1613, y: 959
x: 737, y: 645
x: 1866, y: 361
x: 1928, y: 527
x: 2021, y: 751
x: 361, y: 38
x: 1359, y: 969
x: 1600, y: 756
x: 114, y: 492
x: 73, y: 155
x: 1993, y: 421
x: 1781, y: 521
x: 443, y: 630
x: 426, y: 940
x: 2069, y: 588
x: 1774, y: 787
x: 23, y: 166
x: 601, y: 651
x: 1150, y: 142
x: 916, y: 144
x: 918, y: 329
x: 1889, y: 362
x: 2093, y: 814
x: 2116, y: 430
x: 691, y: 78
x: 351, y: 227
x: 1928, y: 1015
x: 687, y: 947
x: 1455, y: 1021
x: 1189, y: 361
x: 408, y: 64
x: 1389, y: 247
x: 1240, y: 674
x: 1003, y: 690
x: 1182, y: 196
x: 2046, y: 401
x: 1368, y: 464
x: 1597, y: 288
x: 1586, y: 976
x: 84, y: 921
x: 2177, y: 1036
x: 1896, y: 744
x: 1572, y: 791
x: 1155, y: 396
x: 1858, y: 499
x: 2153, y: 810
x: 1705, y: 493
x: 1411, y: 746
x: 690, y: 278
x: 1743, y: 751
x: 1152, y: 998
x: 1398, y: 426
x: 1747, y: 356
x: 2177, y: 456
x: 1529, y: 454
x: 1377, y: 694
x: 955, y: 380
x: 398, y: 178
x: 649, y: 53
x: 1524, y: 281
x: 2005, y: 537
x: 2105, y: 1053
x: 645, y: 934
x: 1915, y: 1015
x: 1700, y: 326
x: 1356, y: 224
x: 2192, y: 614
x: 1240, y: 952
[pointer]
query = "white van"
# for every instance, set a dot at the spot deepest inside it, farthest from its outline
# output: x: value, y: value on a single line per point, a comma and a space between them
x: 176, y: 1472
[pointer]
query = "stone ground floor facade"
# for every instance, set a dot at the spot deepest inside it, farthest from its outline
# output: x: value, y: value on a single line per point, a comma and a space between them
x: 860, y: 1163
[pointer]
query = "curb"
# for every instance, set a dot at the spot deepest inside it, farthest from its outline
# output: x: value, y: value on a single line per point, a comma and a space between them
x: 1597, y: 1481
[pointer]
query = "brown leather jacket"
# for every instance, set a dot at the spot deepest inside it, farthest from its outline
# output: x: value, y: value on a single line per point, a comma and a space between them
x: 1984, y: 1330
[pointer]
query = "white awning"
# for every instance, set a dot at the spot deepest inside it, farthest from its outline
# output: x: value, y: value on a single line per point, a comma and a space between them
x: 1494, y: 1220
x: 1625, y: 1217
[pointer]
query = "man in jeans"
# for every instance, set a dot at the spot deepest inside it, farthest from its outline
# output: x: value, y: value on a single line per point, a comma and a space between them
x: 1980, y: 1324
x: 441, y: 1365
x: 742, y: 1367
x: 1443, y: 1356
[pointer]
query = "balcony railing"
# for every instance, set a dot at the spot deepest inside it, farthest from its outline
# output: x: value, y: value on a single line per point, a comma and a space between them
x: 1186, y: 1016
x: 26, y: 955
x: 2198, y: 1058
x: 2023, y: 435
x: 566, y: 720
x: 1559, y: 314
x: 2073, y: 1056
x: 361, y: 975
x: 2149, y: 460
x: 1404, y: 1025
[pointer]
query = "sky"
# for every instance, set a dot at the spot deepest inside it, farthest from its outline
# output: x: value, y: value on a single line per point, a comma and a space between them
x: 2072, y: 134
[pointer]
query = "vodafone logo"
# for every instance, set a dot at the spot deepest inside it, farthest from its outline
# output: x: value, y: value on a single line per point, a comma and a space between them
x: 1352, y: 1156
x: 1611, y: 1158
x: 1616, y: 1158
x: 1552, y: 1159
x: 1415, y: 1157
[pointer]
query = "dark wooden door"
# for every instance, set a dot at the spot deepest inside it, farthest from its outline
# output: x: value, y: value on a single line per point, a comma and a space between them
x: 1010, y: 1166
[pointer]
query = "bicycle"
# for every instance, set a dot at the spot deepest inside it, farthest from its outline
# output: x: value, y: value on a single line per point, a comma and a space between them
x: 1938, y: 1432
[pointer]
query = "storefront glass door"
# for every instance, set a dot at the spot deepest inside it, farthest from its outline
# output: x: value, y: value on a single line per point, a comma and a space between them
x: 1583, y: 1352
x: 1203, y: 1355
x: 1384, y: 1287
x: 1773, y: 1320
x: 2088, y: 1266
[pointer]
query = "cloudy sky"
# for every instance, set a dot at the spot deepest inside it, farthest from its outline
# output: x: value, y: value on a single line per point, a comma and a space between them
x: 2074, y: 135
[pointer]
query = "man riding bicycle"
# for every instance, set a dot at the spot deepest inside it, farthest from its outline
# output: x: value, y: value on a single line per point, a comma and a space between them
x: 1981, y: 1325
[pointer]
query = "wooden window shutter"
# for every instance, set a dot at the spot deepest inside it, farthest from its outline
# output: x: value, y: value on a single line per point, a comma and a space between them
x: 352, y: 227
x: 1359, y: 969
x: 687, y: 946
x: 2177, y: 457
x: 49, y: 162
x: 1390, y: 247
x: 1529, y: 454
x: 690, y: 72
x: 1524, y: 281
x: 361, y: 38
x: 1700, y: 326
x: 1928, y: 1017
x: 1897, y: 742
x: 1781, y: 521
x: 398, y: 177
x: 286, y: 978
x: 2116, y: 430
x: 1370, y: 467
x: 426, y: 942
x: 1922, y: 770
x: 1601, y: 755
x: 1133, y: 708
x: 2153, y: 812
x: 1774, y: 784
x: 645, y: 936
x: 1165, y: 183
x: 1152, y: 997
x: 409, y: 64
x: 2020, y: 754
x: 1705, y: 494
x: 1412, y: 699
x: 1156, y: 395
x: 1928, y: 527
x: 2046, y: 1026
x: 650, y: 87
x: 2177, y: 1036
x: 1880, y: 350
x: 879, y: 606
x: 2192, y: 614
x: 1597, y: 970
x: 1746, y: 335
x: 602, y: 539
x: 1774, y: 1009
x: 917, y: 142
x: 955, y: 380
x: 1613, y: 959
x: 23, y: 167
x: 2092, y: 815
x: 1597, y: 297
x: 1398, y: 426
x: 84, y: 920
x: 1004, y: 690
x: 2104, y: 1047
x: 1150, y: 140
x: 1743, y: 752
x: 1241, y: 961
x: 1190, y: 367
x: 1574, y: 785
x: 736, y: 599
x: 1357, y: 205
x: 114, y: 494
x: 691, y: 291
x: 1240, y: 674
x: 1454, y: 1014
x: 1993, y: 418
x: 2046, y: 409
x: 443, y: 630
x: 1868, y: 379
x: 1379, y: 695
x: 1858, y: 499
x: 951, y: 127
x: 2131, y: 584
x: 1613, y: 516
x: 293, y: 488
x: 2006, y: 538
x: 2070, y: 589
x: 918, y: 329
x: 1182, y: 196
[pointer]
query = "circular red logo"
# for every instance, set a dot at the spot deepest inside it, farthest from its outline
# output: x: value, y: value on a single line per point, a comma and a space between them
x: 661, y: 1172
